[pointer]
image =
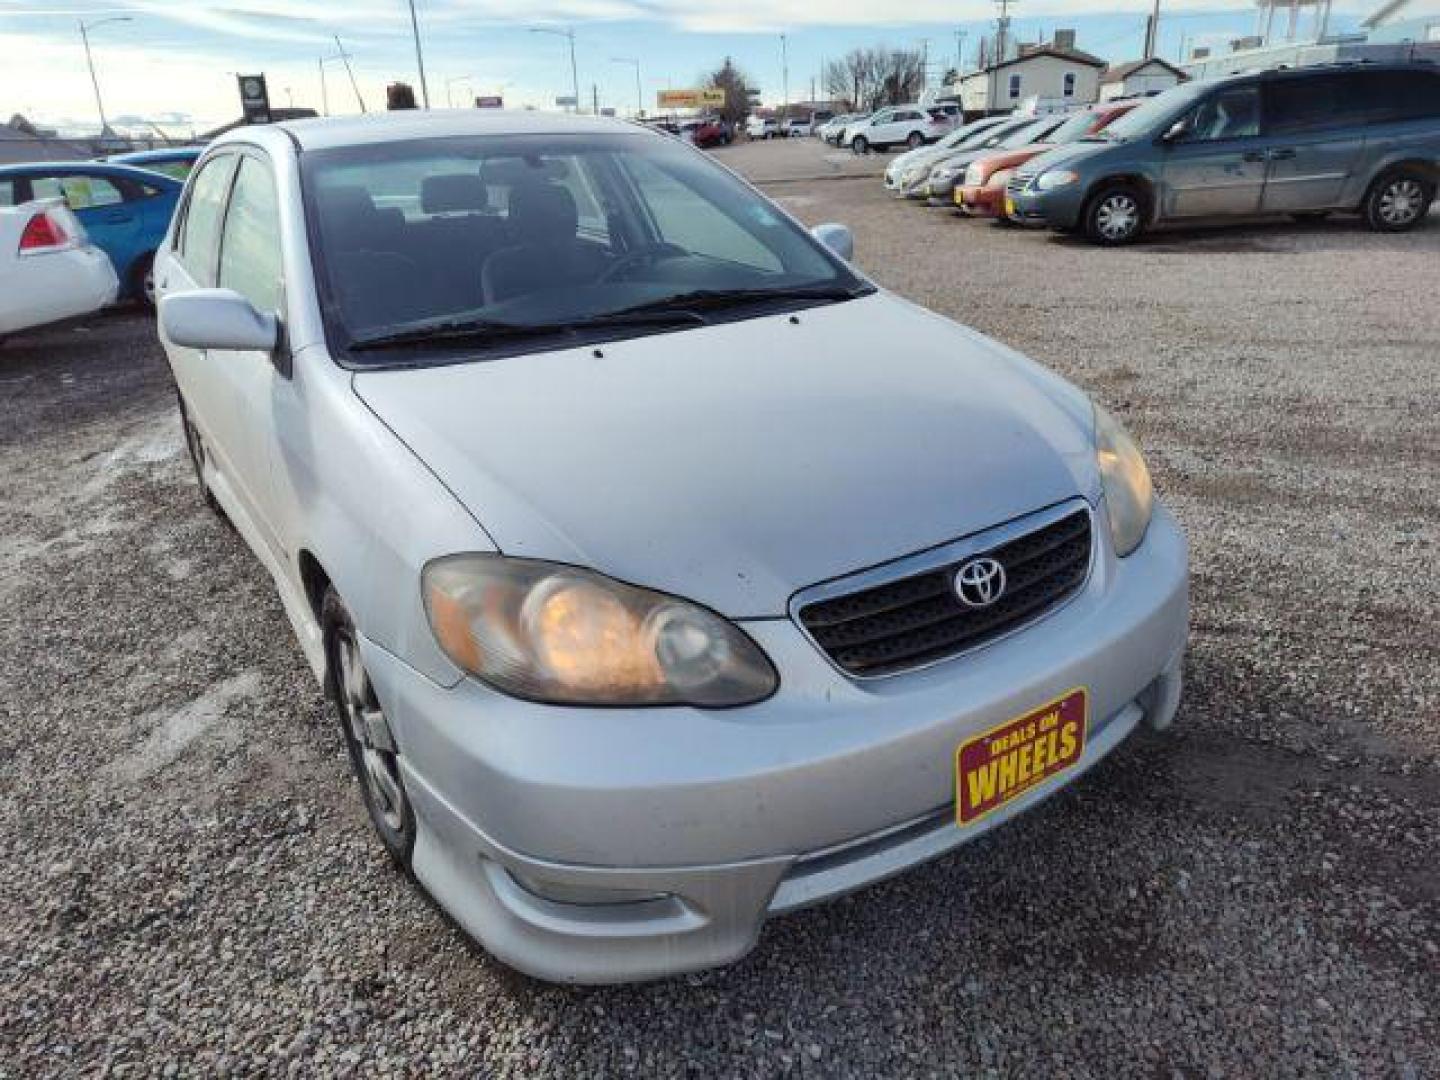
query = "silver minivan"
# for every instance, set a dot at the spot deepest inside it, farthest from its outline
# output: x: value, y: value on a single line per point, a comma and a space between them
x: 1306, y: 142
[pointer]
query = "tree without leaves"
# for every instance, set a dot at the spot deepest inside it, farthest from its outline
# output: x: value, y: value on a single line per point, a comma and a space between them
x: 869, y: 79
x: 738, y: 90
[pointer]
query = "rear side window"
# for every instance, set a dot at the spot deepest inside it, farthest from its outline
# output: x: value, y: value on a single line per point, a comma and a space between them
x: 79, y: 192
x: 1295, y: 106
x: 250, y: 244
x: 8, y: 194
x: 1393, y: 96
x: 199, y: 237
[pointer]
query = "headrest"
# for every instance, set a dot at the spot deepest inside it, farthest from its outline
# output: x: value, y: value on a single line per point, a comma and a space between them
x: 543, y: 212
x: 345, y: 200
x: 452, y: 193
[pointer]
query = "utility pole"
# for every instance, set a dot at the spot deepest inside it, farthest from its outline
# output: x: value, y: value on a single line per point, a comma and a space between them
x: 594, y: 99
x: 419, y: 59
x: 351, y: 72
x: 569, y: 35
x: 1002, y: 30
x: 960, y: 36
x: 1152, y: 30
x: 784, y: 78
x: 85, y: 29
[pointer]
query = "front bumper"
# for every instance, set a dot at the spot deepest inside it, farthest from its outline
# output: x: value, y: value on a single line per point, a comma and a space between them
x: 694, y: 826
x: 1059, y: 209
x: 979, y: 200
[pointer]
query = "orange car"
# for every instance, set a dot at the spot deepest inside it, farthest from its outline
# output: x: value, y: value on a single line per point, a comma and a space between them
x: 982, y: 191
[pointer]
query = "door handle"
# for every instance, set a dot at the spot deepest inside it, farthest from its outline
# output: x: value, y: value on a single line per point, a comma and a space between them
x: 1282, y: 155
x: 1253, y: 156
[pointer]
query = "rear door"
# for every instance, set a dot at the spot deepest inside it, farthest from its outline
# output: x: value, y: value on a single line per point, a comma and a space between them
x: 1217, y: 166
x: 1316, y: 135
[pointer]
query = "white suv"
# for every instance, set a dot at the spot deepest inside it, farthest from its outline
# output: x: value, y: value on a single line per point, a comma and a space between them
x: 908, y: 125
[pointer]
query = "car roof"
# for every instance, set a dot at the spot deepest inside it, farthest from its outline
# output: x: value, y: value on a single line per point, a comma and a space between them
x: 324, y: 133
x: 169, y: 153
x: 90, y: 168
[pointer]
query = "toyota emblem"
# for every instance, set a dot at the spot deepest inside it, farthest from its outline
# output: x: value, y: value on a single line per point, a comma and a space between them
x: 980, y: 582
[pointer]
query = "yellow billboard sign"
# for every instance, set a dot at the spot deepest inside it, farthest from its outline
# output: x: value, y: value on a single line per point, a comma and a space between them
x: 707, y: 98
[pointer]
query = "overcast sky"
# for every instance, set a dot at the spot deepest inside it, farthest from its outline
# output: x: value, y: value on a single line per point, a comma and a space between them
x: 179, y: 56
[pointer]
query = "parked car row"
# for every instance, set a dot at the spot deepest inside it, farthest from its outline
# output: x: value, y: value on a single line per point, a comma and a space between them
x: 1306, y: 142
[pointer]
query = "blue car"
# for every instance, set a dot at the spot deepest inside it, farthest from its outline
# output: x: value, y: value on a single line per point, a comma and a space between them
x: 174, y: 161
x: 124, y: 209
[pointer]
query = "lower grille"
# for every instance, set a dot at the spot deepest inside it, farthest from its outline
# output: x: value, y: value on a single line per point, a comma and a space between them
x: 918, y: 619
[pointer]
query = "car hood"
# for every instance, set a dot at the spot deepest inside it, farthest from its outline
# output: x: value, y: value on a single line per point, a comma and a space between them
x: 737, y: 463
x: 1071, y: 153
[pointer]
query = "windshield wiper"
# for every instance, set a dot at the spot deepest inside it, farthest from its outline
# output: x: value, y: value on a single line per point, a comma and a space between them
x: 458, y: 331
x: 700, y: 299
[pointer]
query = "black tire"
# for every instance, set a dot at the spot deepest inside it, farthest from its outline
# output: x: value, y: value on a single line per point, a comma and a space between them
x: 914, y: 140
x: 1115, y: 215
x: 376, y: 765
x: 195, y: 447
x: 1398, y: 200
x: 860, y: 145
x: 143, y: 280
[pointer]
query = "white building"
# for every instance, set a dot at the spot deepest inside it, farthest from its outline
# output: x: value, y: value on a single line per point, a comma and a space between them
x: 1139, y: 78
x: 1045, y: 72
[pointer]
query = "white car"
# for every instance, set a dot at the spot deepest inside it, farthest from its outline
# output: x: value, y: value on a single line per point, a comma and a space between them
x: 834, y: 129
x: 798, y: 127
x: 898, y: 125
x: 49, y: 270
x: 760, y: 127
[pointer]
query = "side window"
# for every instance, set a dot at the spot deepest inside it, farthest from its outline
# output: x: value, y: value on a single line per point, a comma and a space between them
x: 199, y: 236
x: 1319, y: 103
x: 1015, y: 83
x: 79, y: 192
x: 684, y: 217
x: 1229, y: 114
x: 250, y: 244
x: 1392, y: 96
x: 592, y: 219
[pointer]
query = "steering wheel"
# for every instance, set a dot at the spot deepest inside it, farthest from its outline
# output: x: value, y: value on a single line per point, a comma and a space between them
x: 650, y: 253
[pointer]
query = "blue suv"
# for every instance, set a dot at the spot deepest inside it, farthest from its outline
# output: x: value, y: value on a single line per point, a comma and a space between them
x: 1305, y: 142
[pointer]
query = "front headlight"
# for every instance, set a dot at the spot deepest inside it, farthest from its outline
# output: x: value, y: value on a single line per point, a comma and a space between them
x: 1055, y: 178
x: 1129, y: 496
x: 974, y: 176
x: 557, y: 634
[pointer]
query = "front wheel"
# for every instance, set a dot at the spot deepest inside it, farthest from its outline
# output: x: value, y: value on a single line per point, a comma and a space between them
x: 374, y: 757
x: 1115, y: 215
x: 861, y: 145
x: 144, y: 275
x: 1399, y: 200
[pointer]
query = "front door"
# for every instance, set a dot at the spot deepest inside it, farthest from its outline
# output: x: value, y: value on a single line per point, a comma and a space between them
x: 1217, y: 165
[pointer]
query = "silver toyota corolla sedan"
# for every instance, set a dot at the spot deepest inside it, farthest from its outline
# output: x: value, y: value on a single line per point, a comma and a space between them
x: 665, y: 574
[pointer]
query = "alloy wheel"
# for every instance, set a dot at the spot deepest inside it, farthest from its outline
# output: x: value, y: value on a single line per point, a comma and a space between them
x: 1118, y: 216
x: 1401, y: 202
x: 380, y: 768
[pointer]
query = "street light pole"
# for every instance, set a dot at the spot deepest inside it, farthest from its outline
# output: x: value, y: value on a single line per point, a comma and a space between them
x: 639, y: 93
x: 85, y: 29
x: 784, y: 78
x: 419, y: 58
x: 569, y: 35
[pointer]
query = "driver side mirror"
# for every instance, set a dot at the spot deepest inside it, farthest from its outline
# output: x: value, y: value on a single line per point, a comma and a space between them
x: 218, y: 319
x: 1176, y: 131
x: 838, y: 238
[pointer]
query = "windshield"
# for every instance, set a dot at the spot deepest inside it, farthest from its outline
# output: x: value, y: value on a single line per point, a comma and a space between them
x: 1141, y: 122
x: 1027, y: 134
x: 501, y: 234
x: 970, y: 135
x: 1078, y: 126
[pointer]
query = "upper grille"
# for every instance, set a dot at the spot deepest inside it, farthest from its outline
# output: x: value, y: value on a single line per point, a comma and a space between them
x: 1020, y: 181
x: 915, y: 620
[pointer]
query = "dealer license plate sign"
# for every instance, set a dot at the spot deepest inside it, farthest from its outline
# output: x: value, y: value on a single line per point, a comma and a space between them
x: 999, y: 765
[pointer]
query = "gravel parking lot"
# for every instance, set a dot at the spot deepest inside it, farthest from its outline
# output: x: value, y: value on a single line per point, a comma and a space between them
x: 192, y: 887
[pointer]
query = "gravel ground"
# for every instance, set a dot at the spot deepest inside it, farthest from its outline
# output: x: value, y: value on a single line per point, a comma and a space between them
x: 193, y: 888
